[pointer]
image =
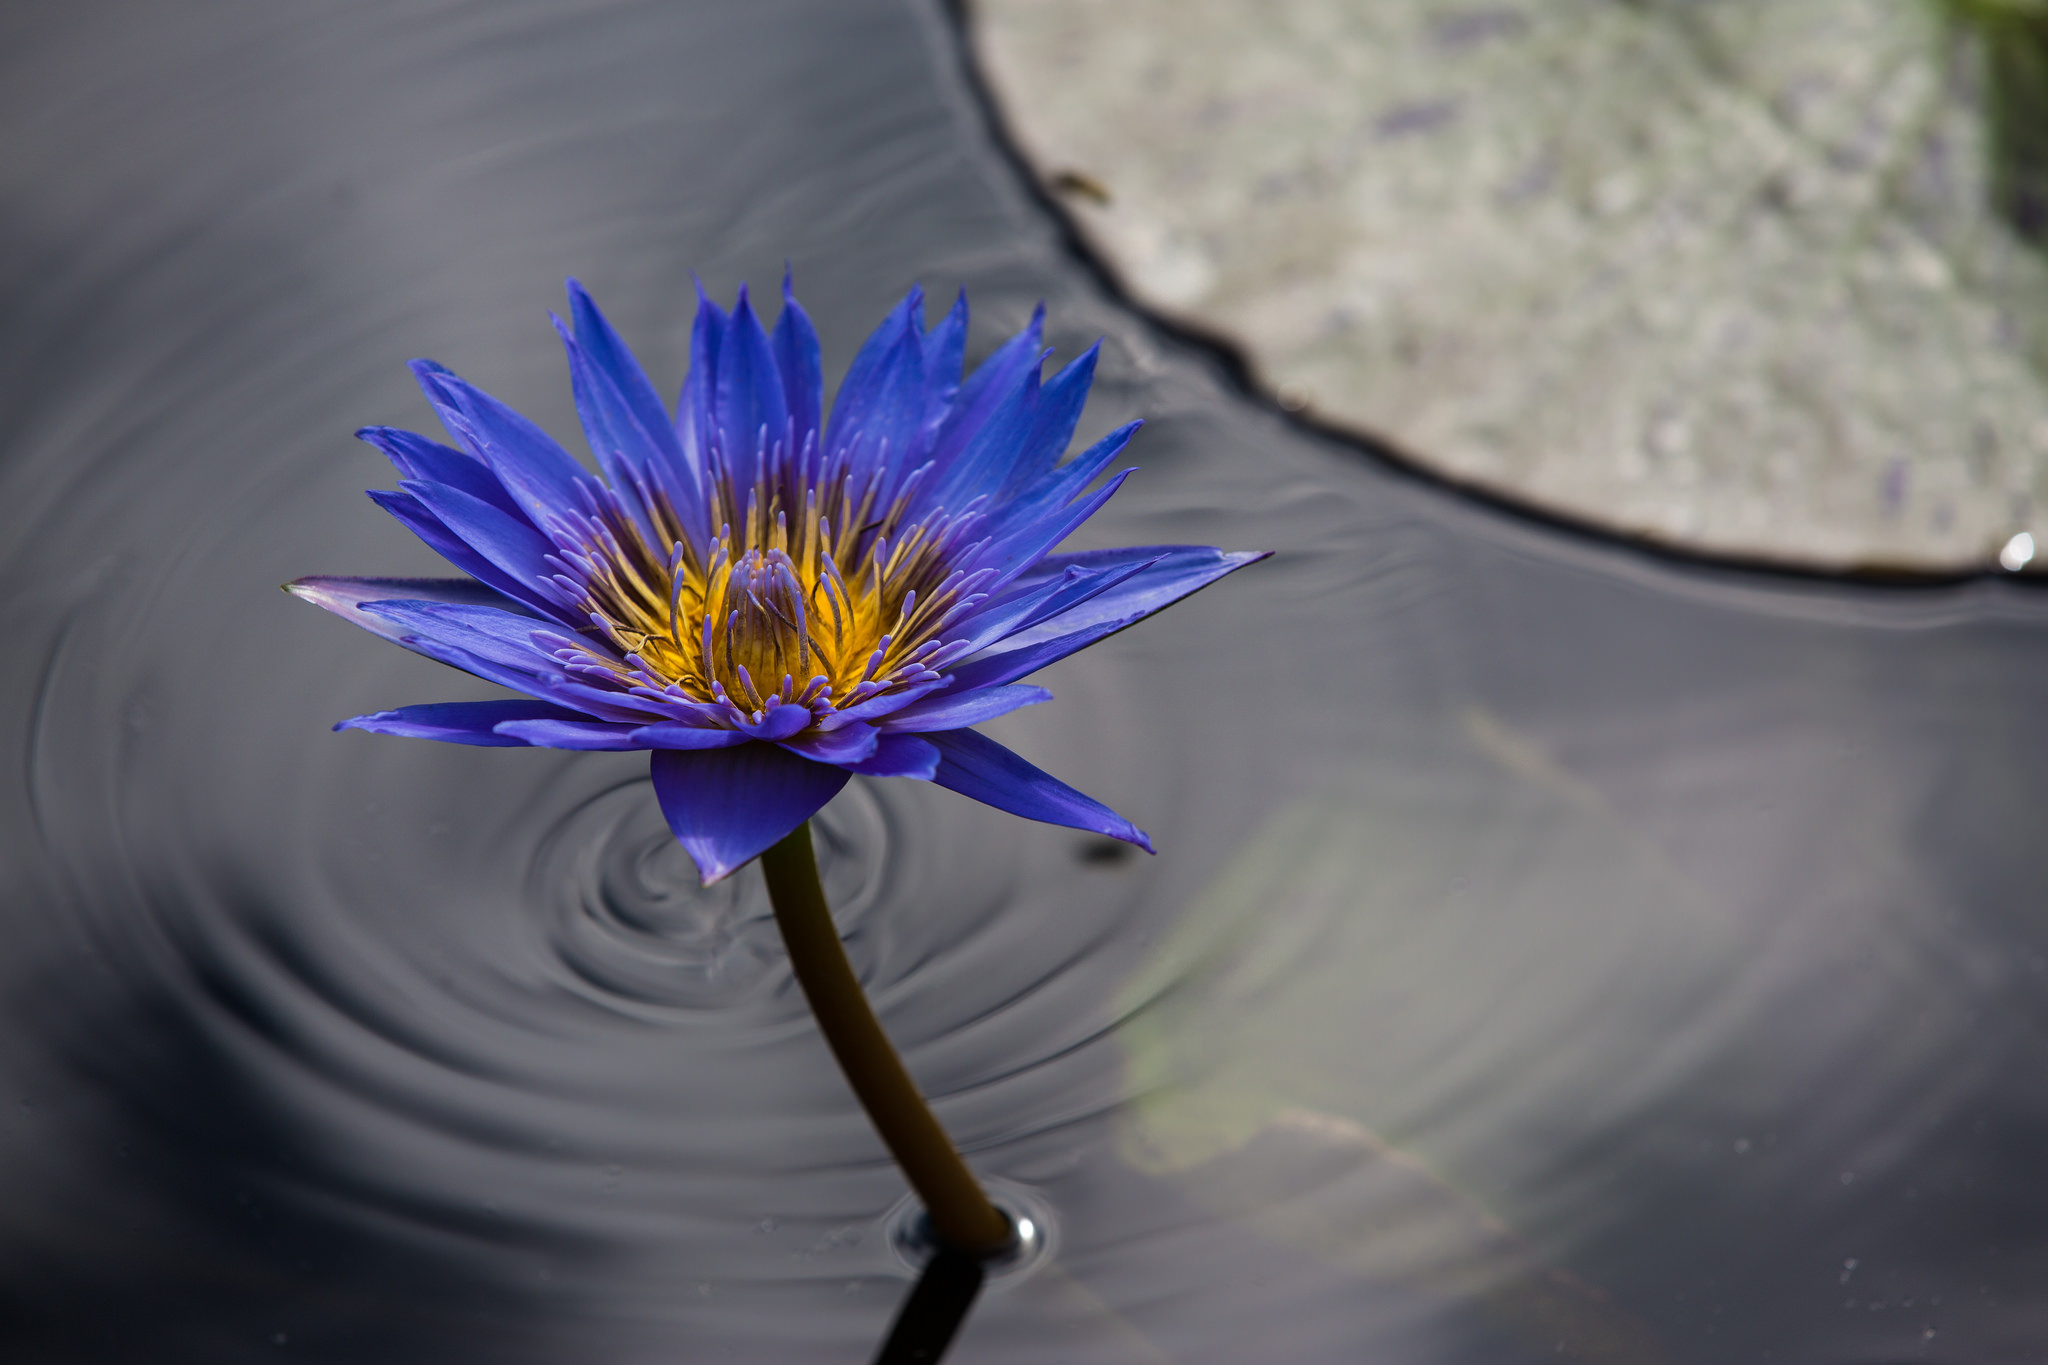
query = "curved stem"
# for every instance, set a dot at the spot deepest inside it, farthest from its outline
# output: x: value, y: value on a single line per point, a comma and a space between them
x: 962, y: 1217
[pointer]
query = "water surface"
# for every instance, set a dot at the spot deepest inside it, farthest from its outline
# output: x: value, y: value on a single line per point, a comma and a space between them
x: 1554, y: 951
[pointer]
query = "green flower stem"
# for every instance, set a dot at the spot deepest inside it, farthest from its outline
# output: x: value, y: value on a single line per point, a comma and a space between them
x: 962, y: 1217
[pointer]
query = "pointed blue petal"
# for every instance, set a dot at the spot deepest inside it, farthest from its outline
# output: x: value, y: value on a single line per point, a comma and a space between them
x: 640, y: 404
x: 780, y: 723
x: 1023, y: 438
x: 993, y: 378
x: 571, y: 734
x: 980, y: 465
x: 1019, y: 516
x: 1026, y: 545
x: 554, y: 687
x: 621, y: 446
x: 753, y: 414
x: 538, y: 473
x: 1059, y: 411
x: 344, y: 597
x: 958, y: 710
x: 697, y: 409
x: 512, y: 545
x: 945, y: 345
x: 846, y: 746
x: 1164, y: 574
x: 499, y: 636
x: 461, y: 722
x: 727, y: 806
x: 679, y: 735
x: 796, y: 358
x: 975, y: 765
x: 878, y: 415
x: 451, y: 547
x: 1023, y: 607
x: 901, y: 756
x: 416, y: 457
x: 1130, y: 602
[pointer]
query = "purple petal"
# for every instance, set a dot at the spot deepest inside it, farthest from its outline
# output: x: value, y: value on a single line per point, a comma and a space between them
x: 572, y: 734
x: 344, y: 597
x: 993, y: 378
x: 901, y: 756
x: 502, y: 637
x: 1022, y: 608
x: 796, y: 357
x: 534, y: 469
x: 622, y: 447
x: 1059, y: 412
x: 984, y: 458
x: 1023, y: 438
x: 511, y: 546
x: 975, y: 765
x: 639, y: 406
x: 727, y: 806
x: 779, y: 723
x: 416, y: 457
x: 1042, y: 516
x: 753, y: 414
x: 451, y: 547
x: 462, y: 722
x: 1019, y: 549
x: 846, y: 745
x: 671, y: 734
x: 958, y: 710
x: 555, y: 687
x: 878, y: 416
x: 696, y: 411
x: 945, y: 344
x: 1176, y: 571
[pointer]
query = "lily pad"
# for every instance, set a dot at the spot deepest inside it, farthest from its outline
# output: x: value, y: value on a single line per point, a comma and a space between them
x: 1747, y: 277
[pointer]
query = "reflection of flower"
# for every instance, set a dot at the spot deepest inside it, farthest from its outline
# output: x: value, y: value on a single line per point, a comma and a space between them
x: 767, y: 601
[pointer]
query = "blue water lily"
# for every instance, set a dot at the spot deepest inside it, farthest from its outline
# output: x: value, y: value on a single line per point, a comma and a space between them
x: 768, y: 600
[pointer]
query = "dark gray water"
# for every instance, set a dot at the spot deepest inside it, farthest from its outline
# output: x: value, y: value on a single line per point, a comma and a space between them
x: 1553, y: 952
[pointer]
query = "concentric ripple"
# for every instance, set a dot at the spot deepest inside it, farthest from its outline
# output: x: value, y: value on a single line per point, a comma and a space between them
x: 631, y: 920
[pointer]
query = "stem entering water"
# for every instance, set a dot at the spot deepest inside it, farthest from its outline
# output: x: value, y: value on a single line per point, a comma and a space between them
x: 962, y: 1218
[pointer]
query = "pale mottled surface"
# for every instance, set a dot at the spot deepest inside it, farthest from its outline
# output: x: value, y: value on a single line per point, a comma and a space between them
x: 1719, y: 273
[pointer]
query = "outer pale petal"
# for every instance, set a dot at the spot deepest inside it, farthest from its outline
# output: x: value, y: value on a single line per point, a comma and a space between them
x: 502, y: 637
x: 846, y: 745
x: 975, y: 765
x: 676, y: 735
x: 727, y: 806
x: 345, y: 596
x: 572, y: 734
x: 462, y: 722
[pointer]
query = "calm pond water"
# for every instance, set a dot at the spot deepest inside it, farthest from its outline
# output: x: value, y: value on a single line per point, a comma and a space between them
x: 1553, y: 952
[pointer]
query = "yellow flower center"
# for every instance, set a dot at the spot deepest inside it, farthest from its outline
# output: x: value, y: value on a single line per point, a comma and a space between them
x: 813, y: 609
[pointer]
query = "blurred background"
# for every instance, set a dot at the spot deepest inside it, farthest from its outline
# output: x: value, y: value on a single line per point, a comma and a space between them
x: 1599, y: 907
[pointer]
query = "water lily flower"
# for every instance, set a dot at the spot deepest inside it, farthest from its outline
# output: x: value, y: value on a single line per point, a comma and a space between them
x: 767, y: 600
